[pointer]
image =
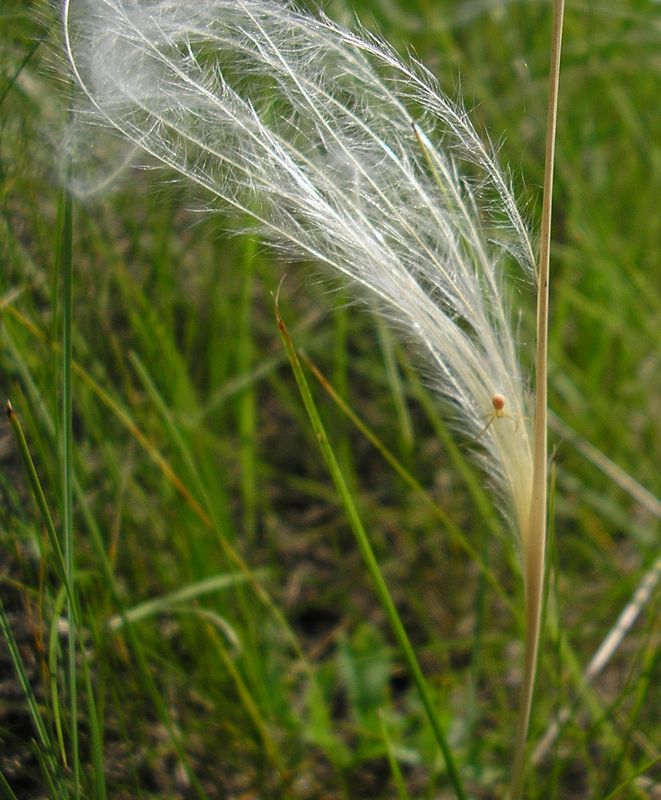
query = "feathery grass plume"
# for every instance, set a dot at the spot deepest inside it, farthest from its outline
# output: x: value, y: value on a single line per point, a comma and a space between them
x: 347, y: 155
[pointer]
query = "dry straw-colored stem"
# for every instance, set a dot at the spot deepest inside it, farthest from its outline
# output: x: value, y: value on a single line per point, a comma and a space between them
x: 534, y: 541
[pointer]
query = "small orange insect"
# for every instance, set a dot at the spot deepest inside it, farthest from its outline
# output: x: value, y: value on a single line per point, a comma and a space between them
x: 498, y: 403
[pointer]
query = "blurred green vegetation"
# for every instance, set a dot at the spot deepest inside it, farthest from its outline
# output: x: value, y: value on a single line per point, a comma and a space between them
x: 265, y: 667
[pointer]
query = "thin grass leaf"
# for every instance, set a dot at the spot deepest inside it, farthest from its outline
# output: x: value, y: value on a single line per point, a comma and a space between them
x: 158, y: 605
x: 45, y: 746
x: 40, y: 497
x: 6, y: 792
x: 402, y: 793
x: 66, y: 595
x: 246, y: 410
x: 53, y: 670
x: 617, y: 792
x: 371, y: 561
x: 65, y: 270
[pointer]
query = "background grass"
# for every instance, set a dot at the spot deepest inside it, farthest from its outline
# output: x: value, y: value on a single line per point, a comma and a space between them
x: 264, y: 666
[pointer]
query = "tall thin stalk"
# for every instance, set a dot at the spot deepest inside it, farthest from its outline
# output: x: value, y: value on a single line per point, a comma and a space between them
x: 65, y: 269
x: 534, y: 540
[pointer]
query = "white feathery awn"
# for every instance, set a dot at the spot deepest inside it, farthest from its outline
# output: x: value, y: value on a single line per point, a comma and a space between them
x: 350, y: 156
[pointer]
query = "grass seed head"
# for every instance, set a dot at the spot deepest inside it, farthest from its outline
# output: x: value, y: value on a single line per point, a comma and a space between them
x: 343, y: 153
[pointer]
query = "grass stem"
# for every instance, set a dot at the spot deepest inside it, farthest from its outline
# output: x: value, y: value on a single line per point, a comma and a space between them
x: 65, y: 269
x: 534, y: 541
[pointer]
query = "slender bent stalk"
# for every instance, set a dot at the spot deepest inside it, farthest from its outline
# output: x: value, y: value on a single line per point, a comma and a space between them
x: 65, y: 268
x: 534, y: 540
x: 362, y: 539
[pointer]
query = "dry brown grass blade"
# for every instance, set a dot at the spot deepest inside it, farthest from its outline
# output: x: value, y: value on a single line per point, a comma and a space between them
x: 534, y: 540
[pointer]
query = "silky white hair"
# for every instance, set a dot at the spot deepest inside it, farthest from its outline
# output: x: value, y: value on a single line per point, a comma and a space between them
x: 345, y: 154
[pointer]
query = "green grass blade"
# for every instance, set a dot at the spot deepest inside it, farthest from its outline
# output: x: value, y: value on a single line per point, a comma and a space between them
x: 21, y: 66
x: 65, y: 269
x: 247, y: 407
x: 389, y: 457
x: 40, y: 498
x: 402, y: 792
x: 617, y: 792
x: 57, y: 788
x: 47, y: 748
x: 6, y: 792
x: 53, y: 658
x: 254, y: 712
x: 370, y: 560
x: 192, y: 591
x: 96, y: 735
x: 388, y: 348
x: 66, y: 594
